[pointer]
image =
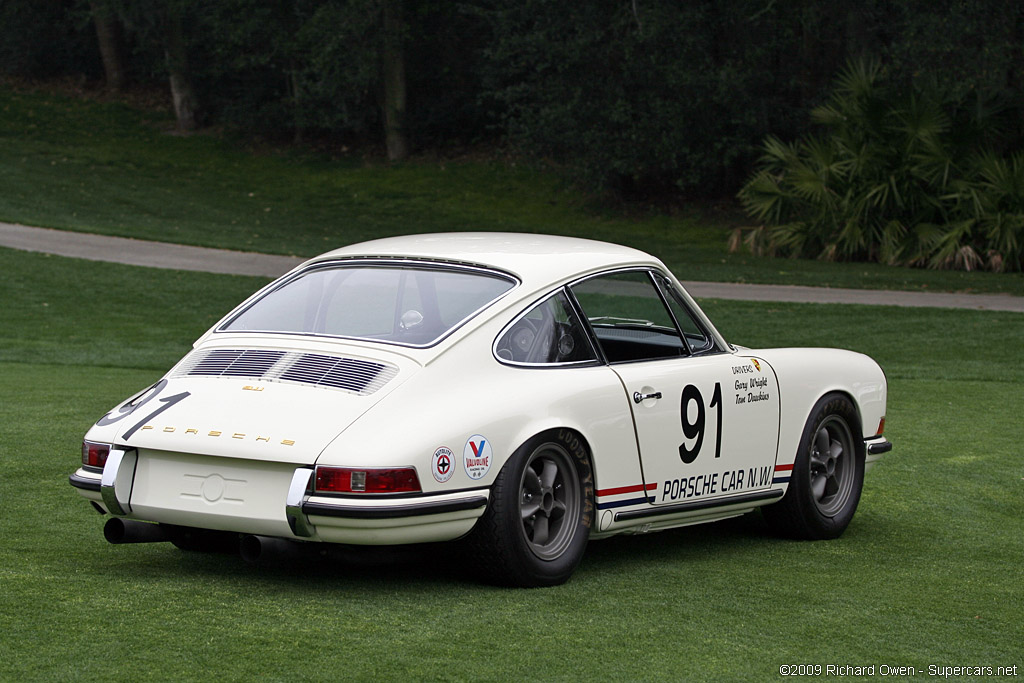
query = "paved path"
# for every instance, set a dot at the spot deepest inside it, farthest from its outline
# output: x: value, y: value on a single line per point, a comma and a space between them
x: 179, y: 257
x: 144, y: 253
x: 873, y: 297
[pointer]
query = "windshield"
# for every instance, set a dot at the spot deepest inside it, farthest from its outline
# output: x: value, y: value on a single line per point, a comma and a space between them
x: 414, y: 305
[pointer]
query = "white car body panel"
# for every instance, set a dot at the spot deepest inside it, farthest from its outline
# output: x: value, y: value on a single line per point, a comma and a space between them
x: 229, y: 494
x: 739, y: 459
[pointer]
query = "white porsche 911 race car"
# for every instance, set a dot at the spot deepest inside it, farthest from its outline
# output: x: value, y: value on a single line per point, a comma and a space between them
x: 523, y: 392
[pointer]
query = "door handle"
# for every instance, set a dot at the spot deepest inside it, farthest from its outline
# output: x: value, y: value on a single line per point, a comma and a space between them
x: 640, y: 398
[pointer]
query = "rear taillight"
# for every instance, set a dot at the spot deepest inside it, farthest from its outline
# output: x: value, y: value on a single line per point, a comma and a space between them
x: 95, y: 454
x: 366, y: 480
x: 881, y: 426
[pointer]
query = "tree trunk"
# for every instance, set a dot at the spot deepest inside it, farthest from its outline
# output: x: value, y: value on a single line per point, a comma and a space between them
x: 108, y: 36
x: 186, y: 104
x: 393, y: 76
x: 298, y: 122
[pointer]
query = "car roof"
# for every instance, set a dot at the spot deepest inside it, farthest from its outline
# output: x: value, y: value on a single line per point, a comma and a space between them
x: 534, y: 259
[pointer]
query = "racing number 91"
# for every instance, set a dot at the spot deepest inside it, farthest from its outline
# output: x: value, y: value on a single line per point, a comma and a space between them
x: 695, y: 429
x: 133, y: 405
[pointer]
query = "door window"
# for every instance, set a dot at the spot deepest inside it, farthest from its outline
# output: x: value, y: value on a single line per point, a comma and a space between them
x: 629, y: 317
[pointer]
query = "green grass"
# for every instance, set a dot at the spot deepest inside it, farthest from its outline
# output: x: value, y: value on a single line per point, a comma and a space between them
x: 929, y: 573
x: 110, y: 169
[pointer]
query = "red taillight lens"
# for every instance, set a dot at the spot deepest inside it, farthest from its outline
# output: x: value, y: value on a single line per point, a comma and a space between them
x: 881, y: 426
x: 366, y: 480
x: 95, y: 454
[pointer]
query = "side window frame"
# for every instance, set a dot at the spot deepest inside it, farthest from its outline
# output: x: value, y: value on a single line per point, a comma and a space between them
x: 668, y: 293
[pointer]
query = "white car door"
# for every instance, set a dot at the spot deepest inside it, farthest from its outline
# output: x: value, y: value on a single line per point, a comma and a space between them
x: 706, y: 420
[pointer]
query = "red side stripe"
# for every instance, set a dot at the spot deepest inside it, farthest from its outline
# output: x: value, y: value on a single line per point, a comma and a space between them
x: 626, y: 489
x: 783, y: 468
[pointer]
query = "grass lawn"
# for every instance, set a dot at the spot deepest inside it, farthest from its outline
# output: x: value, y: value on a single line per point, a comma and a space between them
x: 929, y: 573
x: 109, y: 169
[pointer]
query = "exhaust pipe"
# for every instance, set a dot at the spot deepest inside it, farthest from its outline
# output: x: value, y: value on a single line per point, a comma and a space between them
x: 118, y: 531
x: 265, y: 549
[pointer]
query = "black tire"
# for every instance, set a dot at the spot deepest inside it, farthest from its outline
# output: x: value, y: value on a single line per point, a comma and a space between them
x: 541, y: 509
x: 827, y: 477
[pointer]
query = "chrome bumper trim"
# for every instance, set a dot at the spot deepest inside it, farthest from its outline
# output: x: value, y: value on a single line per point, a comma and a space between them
x: 84, y: 483
x: 117, y: 480
x: 438, y: 507
x: 879, y: 447
x: 297, y: 490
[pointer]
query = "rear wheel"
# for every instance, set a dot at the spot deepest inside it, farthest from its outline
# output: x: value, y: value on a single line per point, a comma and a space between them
x: 828, y: 474
x: 537, y: 524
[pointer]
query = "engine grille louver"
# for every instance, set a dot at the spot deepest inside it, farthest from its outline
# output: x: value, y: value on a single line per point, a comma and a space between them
x: 331, y: 371
x: 358, y: 376
x: 236, y: 363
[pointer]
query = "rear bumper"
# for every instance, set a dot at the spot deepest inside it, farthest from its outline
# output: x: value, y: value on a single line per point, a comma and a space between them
x: 381, y: 521
x: 84, y: 480
x: 424, y: 508
x: 285, y: 509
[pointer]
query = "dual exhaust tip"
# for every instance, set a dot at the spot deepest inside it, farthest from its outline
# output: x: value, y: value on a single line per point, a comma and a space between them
x: 252, y: 548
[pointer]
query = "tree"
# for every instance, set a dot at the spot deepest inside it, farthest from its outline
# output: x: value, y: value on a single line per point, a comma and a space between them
x: 183, y: 94
x: 393, y: 79
x: 109, y: 40
x: 162, y: 24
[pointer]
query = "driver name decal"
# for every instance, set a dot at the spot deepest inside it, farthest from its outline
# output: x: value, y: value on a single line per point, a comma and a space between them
x: 745, y: 390
x: 750, y: 389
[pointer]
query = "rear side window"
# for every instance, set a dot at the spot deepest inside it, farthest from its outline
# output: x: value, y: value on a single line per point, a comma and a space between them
x: 549, y: 333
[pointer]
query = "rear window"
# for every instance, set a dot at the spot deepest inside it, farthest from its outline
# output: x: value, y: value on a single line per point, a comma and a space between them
x: 413, y: 305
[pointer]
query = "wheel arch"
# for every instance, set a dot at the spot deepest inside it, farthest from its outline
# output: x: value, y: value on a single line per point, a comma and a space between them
x: 810, y: 511
x: 807, y: 375
x: 567, y: 435
x: 553, y: 431
x: 858, y: 429
x: 506, y: 544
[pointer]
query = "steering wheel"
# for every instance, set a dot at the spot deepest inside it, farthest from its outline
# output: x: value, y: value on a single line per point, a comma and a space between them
x: 522, y: 341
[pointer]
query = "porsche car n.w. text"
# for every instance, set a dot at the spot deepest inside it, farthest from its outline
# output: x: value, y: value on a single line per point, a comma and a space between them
x: 522, y: 393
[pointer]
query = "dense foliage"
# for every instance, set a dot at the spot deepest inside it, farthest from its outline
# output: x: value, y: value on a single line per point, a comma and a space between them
x: 640, y: 97
x: 900, y: 175
x: 643, y: 99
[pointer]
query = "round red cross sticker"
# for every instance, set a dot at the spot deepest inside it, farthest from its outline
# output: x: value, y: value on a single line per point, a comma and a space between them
x: 443, y: 464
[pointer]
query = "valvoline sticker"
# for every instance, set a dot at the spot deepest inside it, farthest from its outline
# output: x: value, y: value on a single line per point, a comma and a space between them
x: 477, y: 456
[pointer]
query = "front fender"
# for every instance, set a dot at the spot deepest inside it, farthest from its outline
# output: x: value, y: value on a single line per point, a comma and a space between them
x: 805, y: 375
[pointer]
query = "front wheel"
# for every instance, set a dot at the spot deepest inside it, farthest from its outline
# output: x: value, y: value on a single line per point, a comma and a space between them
x: 537, y: 524
x: 828, y: 474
